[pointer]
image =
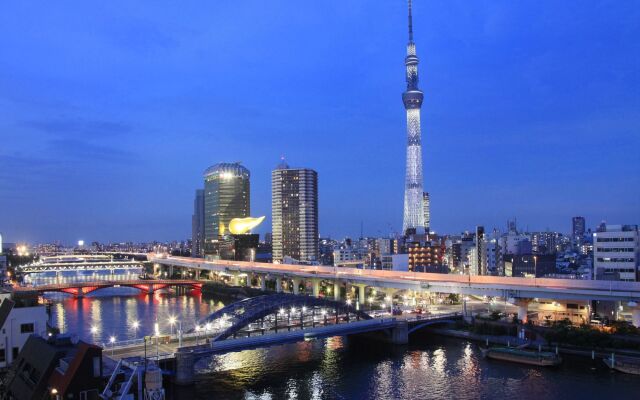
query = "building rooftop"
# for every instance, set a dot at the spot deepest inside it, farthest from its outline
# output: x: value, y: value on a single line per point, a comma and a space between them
x: 227, y: 169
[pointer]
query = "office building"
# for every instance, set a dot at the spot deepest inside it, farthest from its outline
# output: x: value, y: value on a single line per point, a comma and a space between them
x: 577, y: 230
x: 616, y: 251
x: 226, y: 196
x: 426, y: 205
x: 197, y: 224
x: 395, y: 262
x: 544, y: 242
x: 427, y: 257
x: 294, y: 213
x: 478, y: 266
x: 529, y: 265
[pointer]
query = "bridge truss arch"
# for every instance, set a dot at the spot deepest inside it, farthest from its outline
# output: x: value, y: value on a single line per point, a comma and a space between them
x: 237, y: 316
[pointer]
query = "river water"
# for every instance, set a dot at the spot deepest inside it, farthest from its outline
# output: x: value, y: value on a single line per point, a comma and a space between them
x: 431, y: 367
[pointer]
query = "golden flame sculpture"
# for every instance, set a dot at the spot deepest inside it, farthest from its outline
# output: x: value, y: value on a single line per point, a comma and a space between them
x: 240, y: 226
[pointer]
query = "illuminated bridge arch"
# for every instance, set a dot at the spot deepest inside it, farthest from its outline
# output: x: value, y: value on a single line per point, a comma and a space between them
x: 79, y: 289
x: 449, y: 319
x: 242, y: 313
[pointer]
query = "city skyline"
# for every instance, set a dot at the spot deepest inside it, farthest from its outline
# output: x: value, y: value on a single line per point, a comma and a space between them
x: 113, y: 146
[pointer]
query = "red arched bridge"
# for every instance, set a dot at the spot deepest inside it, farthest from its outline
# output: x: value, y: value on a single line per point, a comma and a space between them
x: 79, y: 289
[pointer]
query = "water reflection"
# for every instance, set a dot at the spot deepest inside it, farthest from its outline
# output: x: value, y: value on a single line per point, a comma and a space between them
x: 122, y: 312
x: 430, y: 368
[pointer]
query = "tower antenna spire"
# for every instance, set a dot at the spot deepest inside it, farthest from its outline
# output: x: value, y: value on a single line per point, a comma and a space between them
x: 410, y: 24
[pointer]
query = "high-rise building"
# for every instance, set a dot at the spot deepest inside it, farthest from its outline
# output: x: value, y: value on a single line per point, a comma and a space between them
x: 427, y: 257
x: 226, y: 196
x: 478, y: 266
x: 294, y: 213
x: 426, y: 204
x: 413, y: 220
x: 197, y: 224
x: 616, y: 253
x: 577, y: 230
x: 544, y: 242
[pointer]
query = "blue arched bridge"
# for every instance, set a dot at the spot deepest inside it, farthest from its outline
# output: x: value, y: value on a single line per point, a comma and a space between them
x: 274, y: 320
x: 278, y: 311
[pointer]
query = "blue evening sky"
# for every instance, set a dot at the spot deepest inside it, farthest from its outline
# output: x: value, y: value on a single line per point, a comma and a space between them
x: 110, y: 111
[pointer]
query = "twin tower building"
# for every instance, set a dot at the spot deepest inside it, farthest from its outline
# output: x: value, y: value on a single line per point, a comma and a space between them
x: 222, y: 222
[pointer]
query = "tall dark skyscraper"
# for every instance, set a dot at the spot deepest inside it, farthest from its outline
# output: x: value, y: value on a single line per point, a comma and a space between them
x: 294, y: 213
x: 577, y: 230
x: 226, y: 196
x: 413, y: 221
x: 197, y: 224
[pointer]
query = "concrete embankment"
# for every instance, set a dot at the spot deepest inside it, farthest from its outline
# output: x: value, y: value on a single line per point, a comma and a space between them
x: 532, y: 344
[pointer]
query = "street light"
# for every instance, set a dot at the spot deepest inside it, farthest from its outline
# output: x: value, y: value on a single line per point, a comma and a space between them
x: 112, y: 340
x: 172, y: 322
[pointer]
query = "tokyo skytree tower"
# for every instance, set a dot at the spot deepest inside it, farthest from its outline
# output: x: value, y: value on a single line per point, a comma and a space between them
x: 413, y: 221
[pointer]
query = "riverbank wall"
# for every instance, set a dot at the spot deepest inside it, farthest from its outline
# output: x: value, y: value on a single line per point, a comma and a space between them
x: 507, y: 340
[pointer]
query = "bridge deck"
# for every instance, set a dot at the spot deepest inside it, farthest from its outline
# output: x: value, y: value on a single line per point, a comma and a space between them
x: 442, y: 283
x: 57, y: 287
x: 167, y: 350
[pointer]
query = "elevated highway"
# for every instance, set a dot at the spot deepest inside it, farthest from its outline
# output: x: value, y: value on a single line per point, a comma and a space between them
x: 495, y: 286
x: 519, y: 291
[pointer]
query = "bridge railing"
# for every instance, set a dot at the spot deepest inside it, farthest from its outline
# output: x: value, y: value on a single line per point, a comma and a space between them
x: 431, y: 317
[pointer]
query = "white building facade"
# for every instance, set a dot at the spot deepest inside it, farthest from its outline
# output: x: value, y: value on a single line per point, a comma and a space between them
x: 17, y: 324
x: 616, y: 251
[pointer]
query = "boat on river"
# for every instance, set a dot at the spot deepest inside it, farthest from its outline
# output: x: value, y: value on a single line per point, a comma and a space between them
x: 623, y: 364
x: 537, y: 358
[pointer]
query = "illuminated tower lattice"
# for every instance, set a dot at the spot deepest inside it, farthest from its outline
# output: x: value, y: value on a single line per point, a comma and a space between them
x: 413, y: 221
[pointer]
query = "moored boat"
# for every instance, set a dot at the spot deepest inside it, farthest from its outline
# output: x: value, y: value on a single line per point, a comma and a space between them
x: 624, y: 364
x: 538, y: 358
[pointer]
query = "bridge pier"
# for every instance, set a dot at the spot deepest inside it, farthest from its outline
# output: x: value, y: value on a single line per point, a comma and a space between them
x: 361, y: 294
x: 400, y: 334
x: 184, y: 368
x: 635, y: 313
x: 247, y: 281
x: 236, y: 279
x: 296, y: 285
x: 279, y: 284
x: 315, y: 283
x: 336, y: 291
x: 523, y: 308
x: 635, y: 317
x: 263, y: 283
